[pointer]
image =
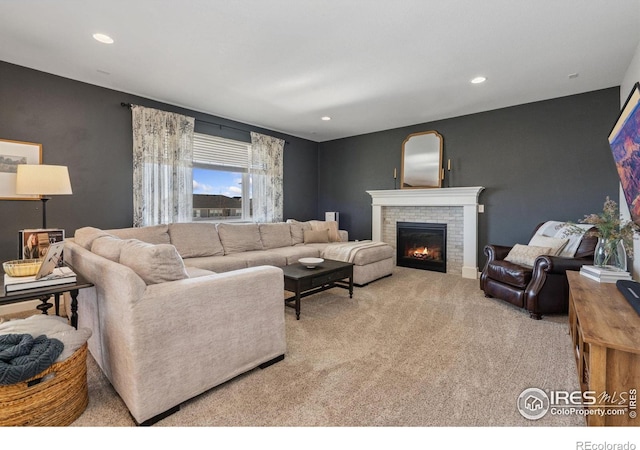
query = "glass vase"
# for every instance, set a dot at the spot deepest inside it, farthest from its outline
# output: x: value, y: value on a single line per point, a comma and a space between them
x: 610, y: 253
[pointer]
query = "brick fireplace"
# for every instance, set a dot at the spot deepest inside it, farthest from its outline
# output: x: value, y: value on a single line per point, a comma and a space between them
x: 456, y: 207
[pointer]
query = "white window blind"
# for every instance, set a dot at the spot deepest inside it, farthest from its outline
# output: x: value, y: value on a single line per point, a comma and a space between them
x: 217, y: 151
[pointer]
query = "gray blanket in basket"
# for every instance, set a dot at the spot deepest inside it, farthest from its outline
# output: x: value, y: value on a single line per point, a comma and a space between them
x: 22, y: 356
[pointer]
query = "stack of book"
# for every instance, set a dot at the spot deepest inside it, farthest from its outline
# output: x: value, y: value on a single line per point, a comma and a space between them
x: 606, y: 274
x: 60, y: 275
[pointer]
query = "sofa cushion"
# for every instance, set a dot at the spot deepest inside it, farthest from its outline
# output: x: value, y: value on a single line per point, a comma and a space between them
x: 154, y: 234
x: 297, y: 230
x: 108, y: 247
x: 275, y: 235
x: 256, y: 258
x: 153, y: 263
x: 526, y: 254
x: 293, y: 254
x: 329, y: 225
x: 86, y: 235
x: 216, y: 263
x: 238, y: 237
x: 195, y: 239
x: 509, y: 273
x: 316, y: 236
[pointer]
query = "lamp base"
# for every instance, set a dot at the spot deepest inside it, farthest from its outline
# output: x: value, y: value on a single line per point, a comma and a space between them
x: 44, y: 211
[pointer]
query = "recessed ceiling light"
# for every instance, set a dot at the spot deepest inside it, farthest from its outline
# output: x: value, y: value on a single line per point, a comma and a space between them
x: 478, y: 80
x: 103, y: 38
x: 326, y: 118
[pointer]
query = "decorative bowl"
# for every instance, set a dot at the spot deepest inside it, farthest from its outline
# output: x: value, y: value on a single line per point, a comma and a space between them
x: 310, y: 263
x: 22, y: 267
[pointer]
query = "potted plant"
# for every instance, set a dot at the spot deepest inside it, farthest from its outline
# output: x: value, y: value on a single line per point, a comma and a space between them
x: 615, y: 236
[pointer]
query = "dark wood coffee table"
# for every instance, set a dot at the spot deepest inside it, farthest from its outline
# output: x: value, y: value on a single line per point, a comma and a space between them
x: 326, y: 275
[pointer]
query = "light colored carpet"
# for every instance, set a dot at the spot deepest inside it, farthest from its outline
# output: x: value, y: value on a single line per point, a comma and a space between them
x: 415, y: 349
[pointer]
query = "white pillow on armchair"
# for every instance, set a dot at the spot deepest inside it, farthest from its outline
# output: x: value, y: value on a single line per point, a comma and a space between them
x: 526, y: 255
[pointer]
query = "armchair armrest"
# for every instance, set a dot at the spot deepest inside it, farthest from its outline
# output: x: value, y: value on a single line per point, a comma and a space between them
x: 493, y: 253
x: 496, y: 252
x: 549, y: 265
x: 560, y: 265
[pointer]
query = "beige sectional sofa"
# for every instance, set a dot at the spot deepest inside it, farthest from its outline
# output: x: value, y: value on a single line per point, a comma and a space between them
x: 178, y: 309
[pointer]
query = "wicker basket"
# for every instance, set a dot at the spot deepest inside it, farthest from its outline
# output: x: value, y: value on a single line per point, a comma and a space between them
x: 56, y: 401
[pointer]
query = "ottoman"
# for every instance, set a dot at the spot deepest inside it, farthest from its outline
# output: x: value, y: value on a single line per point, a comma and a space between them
x: 372, y: 260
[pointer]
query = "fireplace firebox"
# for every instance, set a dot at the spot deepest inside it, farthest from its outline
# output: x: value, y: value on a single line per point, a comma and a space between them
x: 422, y: 245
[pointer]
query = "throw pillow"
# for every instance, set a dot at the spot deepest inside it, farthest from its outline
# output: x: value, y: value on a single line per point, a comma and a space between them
x: 316, y: 236
x: 330, y: 225
x: 153, y: 263
x: 556, y: 244
x: 86, y: 235
x: 108, y: 247
x: 297, y: 230
x: 526, y: 255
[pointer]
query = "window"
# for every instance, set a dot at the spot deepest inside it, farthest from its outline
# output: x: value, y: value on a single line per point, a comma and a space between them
x: 221, y: 181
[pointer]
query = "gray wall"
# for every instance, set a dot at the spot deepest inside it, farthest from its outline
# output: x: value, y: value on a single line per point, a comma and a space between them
x: 84, y: 127
x: 540, y: 161
x: 547, y: 160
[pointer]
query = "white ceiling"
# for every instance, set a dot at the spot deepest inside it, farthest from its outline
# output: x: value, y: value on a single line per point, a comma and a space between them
x: 368, y: 64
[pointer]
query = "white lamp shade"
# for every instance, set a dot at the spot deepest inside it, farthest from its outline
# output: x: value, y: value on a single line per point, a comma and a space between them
x: 41, y: 179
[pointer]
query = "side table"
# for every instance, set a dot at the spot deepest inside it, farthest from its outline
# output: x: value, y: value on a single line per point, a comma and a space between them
x: 45, y: 293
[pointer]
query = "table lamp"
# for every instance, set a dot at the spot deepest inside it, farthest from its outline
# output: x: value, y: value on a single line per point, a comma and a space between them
x: 41, y: 179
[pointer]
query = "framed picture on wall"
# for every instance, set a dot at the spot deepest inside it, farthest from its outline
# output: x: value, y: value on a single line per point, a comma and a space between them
x: 33, y: 244
x: 13, y: 153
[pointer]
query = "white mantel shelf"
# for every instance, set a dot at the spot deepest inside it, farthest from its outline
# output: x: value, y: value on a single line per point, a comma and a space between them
x: 466, y: 197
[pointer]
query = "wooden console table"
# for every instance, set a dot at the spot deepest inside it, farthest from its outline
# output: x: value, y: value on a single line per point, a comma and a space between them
x: 605, y: 331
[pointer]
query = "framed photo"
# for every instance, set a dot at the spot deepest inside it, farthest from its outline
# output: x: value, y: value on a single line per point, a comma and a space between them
x: 624, y: 141
x: 13, y: 153
x: 33, y: 244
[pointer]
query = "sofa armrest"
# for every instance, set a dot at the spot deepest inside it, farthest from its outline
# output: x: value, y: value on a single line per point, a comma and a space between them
x: 201, y: 331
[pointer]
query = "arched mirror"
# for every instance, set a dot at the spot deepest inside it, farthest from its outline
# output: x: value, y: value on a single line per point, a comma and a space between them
x: 422, y: 161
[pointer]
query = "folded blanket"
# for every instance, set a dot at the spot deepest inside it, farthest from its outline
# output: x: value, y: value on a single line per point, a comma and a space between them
x: 53, y: 327
x: 22, y: 356
x: 564, y: 230
x: 347, y: 251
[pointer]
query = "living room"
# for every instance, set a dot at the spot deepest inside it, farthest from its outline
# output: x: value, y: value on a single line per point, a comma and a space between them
x: 544, y: 159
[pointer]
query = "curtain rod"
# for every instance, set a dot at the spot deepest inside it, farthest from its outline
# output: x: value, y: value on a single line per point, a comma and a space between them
x: 129, y: 105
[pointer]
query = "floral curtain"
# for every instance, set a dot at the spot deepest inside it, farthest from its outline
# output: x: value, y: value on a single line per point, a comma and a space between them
x: 162, y: 166
x: 265, y: 167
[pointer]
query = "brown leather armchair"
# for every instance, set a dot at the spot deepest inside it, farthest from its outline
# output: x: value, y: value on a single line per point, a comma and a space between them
x: 541, y: 289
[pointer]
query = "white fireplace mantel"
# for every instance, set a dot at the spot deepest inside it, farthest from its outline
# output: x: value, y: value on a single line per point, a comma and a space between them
x: 466, y: 197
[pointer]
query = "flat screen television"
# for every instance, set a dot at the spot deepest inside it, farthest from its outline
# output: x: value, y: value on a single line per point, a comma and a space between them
x: 624, y: 141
